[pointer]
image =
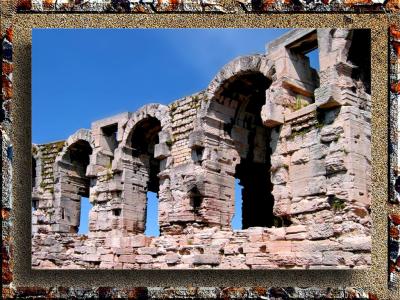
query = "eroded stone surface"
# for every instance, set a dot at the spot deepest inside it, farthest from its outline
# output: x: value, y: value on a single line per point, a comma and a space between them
x: 297, y: 139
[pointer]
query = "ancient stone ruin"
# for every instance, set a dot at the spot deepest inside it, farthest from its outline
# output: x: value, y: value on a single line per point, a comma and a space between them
x: 298, y: 139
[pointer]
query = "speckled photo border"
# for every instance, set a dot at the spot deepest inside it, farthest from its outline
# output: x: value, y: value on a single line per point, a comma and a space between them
x: 394, y: 78
x: 394, y: 185
x: 11, y: 289
x: 394, y: 256
x: 232, y: 6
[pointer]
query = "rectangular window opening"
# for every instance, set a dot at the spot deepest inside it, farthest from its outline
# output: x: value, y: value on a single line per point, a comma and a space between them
x: 84, y: 216
x: 306, y: 52
x: 313, y: 57
x: 152, y: 226
x: 237, y: 217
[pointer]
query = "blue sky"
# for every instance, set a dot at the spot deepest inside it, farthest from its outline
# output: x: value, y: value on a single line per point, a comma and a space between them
x: 82, y: 75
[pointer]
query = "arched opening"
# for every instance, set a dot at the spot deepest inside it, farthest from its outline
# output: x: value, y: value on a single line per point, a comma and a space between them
x: 360, y: 56
x: 246, y: 94
x: 143, y: 140
x: 75, y: 186
x: 78, y: 155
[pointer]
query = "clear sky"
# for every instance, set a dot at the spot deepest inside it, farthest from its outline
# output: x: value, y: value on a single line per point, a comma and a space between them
x: 82, y: 75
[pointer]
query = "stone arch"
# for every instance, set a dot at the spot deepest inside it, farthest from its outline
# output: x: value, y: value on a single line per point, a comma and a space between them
x: 71, y: 181
x: 80, y: 135
x: 238, y: 143
x: 154, y: 110
x: 146, y: 130
x: 240, y: 65
x: 143, y: 138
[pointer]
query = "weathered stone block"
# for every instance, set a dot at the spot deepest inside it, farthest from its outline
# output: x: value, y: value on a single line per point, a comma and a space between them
x: 206, y: 259
x: 107, y: 257
x: 331, y: 133
x: 321, y: 231
x: 280, y: 176
x: 300, y: 113
x: 272, y: 115
x: 309, y: 205
x: 308, y: 186
x: 144, y: 259
x: 335, y: 258
x: 296, y: 236
x: 128, y: 258
x: 276, y: 247
x: 148, y: 250
x: 335, y: 163
x: 327, y: 96
x: 309, y: 258
x: 91, y: 257
x: 356, y: 243
x: 171, y: 258
x: 161, y: 151
x: 137, y: 241
x: 300, y: 156
x: 296, y: 229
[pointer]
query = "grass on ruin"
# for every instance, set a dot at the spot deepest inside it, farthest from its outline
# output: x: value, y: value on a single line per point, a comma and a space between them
x: 336, y: 203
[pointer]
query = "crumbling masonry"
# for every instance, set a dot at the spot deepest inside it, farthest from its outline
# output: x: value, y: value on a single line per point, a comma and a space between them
x: 298, y: 140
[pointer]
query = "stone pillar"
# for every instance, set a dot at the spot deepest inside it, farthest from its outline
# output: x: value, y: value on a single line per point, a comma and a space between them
x: 335, y: 71
x: 46, y: 217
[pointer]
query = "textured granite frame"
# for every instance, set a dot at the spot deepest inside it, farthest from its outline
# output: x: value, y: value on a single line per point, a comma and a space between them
x: 156, y: 6
x: 394, y: 77
x: 394, y: 191
x: 394, y: 244
x: 12, y: 286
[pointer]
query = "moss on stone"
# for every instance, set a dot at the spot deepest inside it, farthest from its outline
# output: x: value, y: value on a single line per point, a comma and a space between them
x: 109, y: 175
x: 336, y: 203
x: 59, y: 146
x: 169, y: 143
x: 173, y: 107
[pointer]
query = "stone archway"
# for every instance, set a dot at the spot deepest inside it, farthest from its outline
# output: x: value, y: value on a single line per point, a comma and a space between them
x: 71, y: 182
x: 154, y: 110
x: 251, y: 140
x: 237, y: 143
x: 140, y: 163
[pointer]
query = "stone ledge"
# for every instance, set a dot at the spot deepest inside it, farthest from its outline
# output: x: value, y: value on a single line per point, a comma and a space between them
x: 301, y: 112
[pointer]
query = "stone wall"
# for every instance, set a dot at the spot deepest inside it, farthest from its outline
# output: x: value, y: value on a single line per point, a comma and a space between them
x: 296, y: 138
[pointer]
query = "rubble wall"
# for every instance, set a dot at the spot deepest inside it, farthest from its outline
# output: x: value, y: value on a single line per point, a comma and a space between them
x: 297, y: 140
